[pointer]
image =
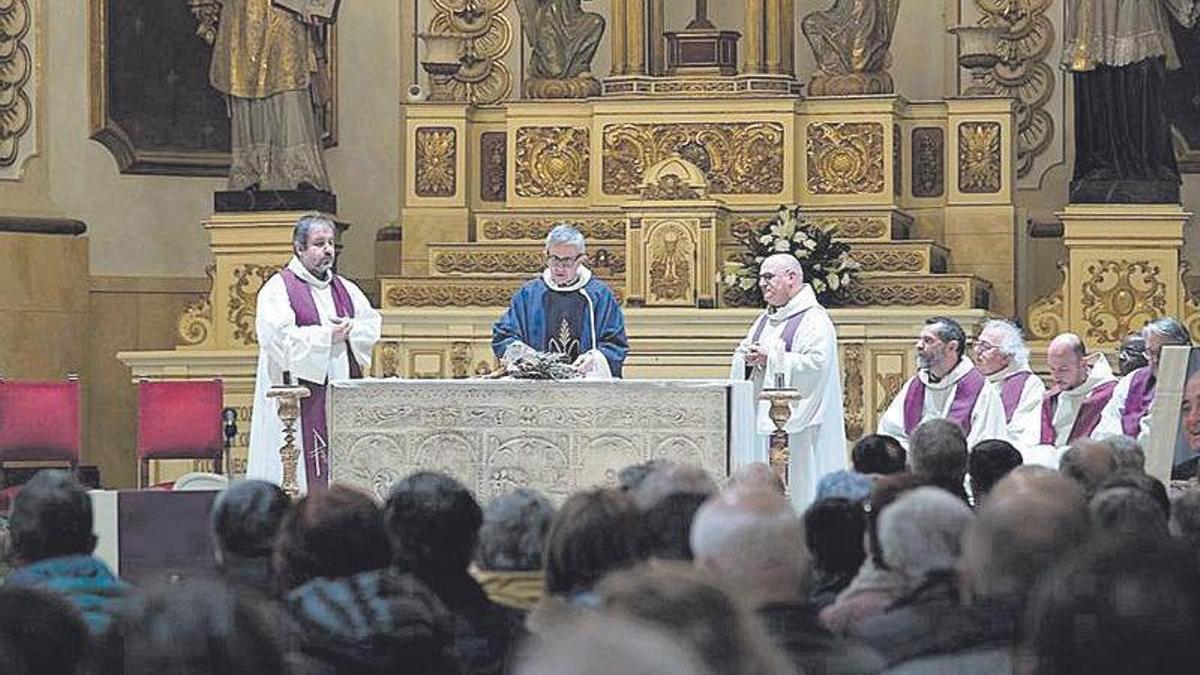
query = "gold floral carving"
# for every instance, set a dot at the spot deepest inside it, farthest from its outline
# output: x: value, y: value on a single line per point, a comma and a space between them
x: 1047, y: 314
x: 248, y: 280
x: 883, y: 260
x: 747, y: 224
x: 888, y: 384
x: 16, y: 74
x: 856, y: 227
x: 906, y: 294
x: 928, y: 162
x: 670, y: 188
x: 979, y: 157
x: 845, y: 158
x: 552, y: 162
x: 443, y: 295
x: 852, y: 391
x: 494, y: 229
x: 488, y: 36
x: 736, y: 158
x: 389, y: 359
x: 1119, y: 296
x: 460, y: 359
x: 493, y: 170
x: 671, y: 251
x: 195, y: 326
x: 511, y: 262
x: 1023, y: 73
x: 1191, y: 312
x: 897, y: 161
x: 436, y: 149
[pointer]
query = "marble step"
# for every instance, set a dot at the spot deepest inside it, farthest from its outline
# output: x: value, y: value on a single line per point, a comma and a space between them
x: 916, y: 255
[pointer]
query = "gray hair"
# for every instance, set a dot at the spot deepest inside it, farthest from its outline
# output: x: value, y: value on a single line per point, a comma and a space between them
x: 1012, y: 342
x: 1173, y: 332
x: 1127, y: 512
x: 565, y: 233
x: 598, y: 644
x: 949, y: 330
x: 669, y: 479
x: 922, y: 532
x: 514, y: 530
x: 1127, y: 451
x: 306, y: 224
x: 938, y: 449
x: 1185, y: 518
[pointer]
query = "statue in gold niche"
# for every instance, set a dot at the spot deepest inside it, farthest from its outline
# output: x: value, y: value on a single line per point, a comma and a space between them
x: 562, y: 40
x: 850, y: 41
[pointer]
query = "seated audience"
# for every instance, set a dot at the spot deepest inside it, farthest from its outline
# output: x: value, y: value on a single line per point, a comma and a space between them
x: 668, y: 499
x: 1143, y: 481
x: 1128, y: 513
x: 1185, y: 520
x: 753, y: 542
x: 433, y: 526
x: 508, y: 560
x: 850, y: 485
x: 245, y: 519
x: 352, y: 613
x: 691, y: 607
x: 878, y: 454
x: 1117, y: 607
x: 834, y: 530
x: 937, y: 452
x: 40, y: 632
x: 603, y: 645
x: 988, y: 462
x: 1127, y: 451
x: 1088, y: 463
x: 920, y: 537
x: 52, y: 540
x: 756, y: 476
x: 630, y: 477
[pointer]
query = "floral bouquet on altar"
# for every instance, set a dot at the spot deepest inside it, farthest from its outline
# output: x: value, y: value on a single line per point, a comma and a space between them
x: 827, y: 265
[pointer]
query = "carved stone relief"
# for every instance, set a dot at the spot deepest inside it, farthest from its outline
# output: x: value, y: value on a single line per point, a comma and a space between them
x: 671, y: 252
x: 979, y: 165
x: 845, y: 158
x: 493, y: 153
x: 552, y: 162
x: 436, y: 165
x: 1119, y: 296
x: 928, y: 162
x: 18, y: 83
x: 488, y: 37
x: 248, y: 280
x: 852, y: 391
x: 535, y: 229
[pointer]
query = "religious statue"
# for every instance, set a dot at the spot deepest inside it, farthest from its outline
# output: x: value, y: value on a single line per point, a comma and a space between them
x: 562, y: 40
x: 1119, y: 52
x: 267, y: 61
x: 850, y: 42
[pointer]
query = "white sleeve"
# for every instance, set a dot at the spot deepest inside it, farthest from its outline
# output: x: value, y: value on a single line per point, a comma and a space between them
x: 808, y: 367
x: 1110, y: 417
x: 303, y: 350
x: 1025, y: 429
x: 987, y: 417
x: 367, y: 326
x: 891, y: 423
x: 737, y: 366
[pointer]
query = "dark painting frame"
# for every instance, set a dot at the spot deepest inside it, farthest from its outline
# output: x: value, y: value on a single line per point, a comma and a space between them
x: 151, y: 104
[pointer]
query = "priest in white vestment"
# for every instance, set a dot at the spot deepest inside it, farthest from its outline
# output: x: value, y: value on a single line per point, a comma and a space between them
x: 1071, y: 410
x: 313, y: 327
x: 1128, y: 411
x: 947, y: 386
x: 1003, y: 358
x: 794, y: 343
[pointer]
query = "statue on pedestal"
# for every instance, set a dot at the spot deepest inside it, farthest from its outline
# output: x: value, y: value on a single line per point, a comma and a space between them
x: 562, y: 40
x: 1119, y: 52
x: 850, y: 41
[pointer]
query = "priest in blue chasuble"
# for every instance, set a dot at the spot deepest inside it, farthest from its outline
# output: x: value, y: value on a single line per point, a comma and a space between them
x: 567, y: 310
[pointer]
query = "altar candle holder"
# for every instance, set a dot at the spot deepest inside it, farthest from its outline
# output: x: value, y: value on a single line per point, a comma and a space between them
x: 288, y: 398
x: 780, y: 398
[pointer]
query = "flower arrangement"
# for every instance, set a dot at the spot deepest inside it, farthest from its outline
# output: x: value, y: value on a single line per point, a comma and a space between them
x: 827, y: 265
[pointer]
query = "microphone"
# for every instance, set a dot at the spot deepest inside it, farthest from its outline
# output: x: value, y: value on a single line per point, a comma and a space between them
x: 229, y: 425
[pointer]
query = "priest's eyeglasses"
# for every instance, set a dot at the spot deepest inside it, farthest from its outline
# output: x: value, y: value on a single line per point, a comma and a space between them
x: 556, y: 261
x: 983, y: 347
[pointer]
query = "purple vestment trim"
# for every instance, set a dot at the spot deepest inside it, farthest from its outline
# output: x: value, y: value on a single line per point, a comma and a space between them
x: 1137, y: 402
x: 966, y: 392
x: 1086, y: 419
x: 1010, y: 392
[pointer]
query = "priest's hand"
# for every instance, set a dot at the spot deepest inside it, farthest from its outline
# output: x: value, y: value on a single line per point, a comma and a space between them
x: 340, y: 331
x: 756, y: 355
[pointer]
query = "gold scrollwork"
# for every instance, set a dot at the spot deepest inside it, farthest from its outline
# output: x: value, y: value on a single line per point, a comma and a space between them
x: 978, y: 157
x: 1119, y: 296
x: 436, y: 150
x: 856, y: 227
x: 552, y: 162
x: 736, y: 158
x: 487, y: 36
x: 443, y: 295
x: 900, y: 294
x: 887, y: 384
x: 671, y: 251
x: 243, y: 294
x: 511, y: 262
x: 195, y: 325
x: 928, y: 162
x: 389, y: 359
x: 1047, y: 315
x: 460, y: 359
x: 16, y: 72
x: 495, y: 229
x: 493, y: 169
x: 852, y: 391
x: 884, y: 260
x: 845, y: 158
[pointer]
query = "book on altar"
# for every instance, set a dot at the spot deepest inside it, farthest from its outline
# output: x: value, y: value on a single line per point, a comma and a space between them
x: 325, y: 10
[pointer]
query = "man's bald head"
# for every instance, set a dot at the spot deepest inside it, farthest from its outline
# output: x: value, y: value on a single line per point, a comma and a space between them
x: 1066, y: 357
x: 780, y: 278
x: 1088, y: 462
x: 757, y: 476
x: 784, y: 262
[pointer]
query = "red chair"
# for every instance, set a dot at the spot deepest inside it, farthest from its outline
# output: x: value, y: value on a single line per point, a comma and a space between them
x: 39, y: 422
x: 179, y: 419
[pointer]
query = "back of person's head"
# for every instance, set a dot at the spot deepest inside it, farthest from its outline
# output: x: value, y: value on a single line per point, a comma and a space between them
x: 833, y: 530
x: 1089, y: 463
x: 671, y: 478
x: 921, y: 533
x: 630, y: 477
x: 846, y: 485
x: 694, y: 608
x: 51, y: 517
x: 600, y: 645
x: 938, y: 451
x: 1140, y: 480
x: 246, y: 518
x: 41, y: 631
x: 1127, y: 451
x: 594, y: 532
x: 432, y: 523
x: 1117, y: 606
x: 878, y: 453
x: 330, y: 533
x: 1127, y: 512
x: 514, y: 530
x: 195, y: 627
x: 990, y: 461
x: 756, y: 476
x: 668, y: 499
x: 1185, y: 519
x: 883, y: 494
x: 752, y: 540
x: 1029, y: 521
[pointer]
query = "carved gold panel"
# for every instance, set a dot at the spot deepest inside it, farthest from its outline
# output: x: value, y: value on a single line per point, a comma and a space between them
x: 890, y: 373
x: 414, y: 294
x: 552, y: 162
x: 493, y: 169
x: 671, y: 259
x: 737, y: 158
x: 855, y: 227
x: 248, y: 280
x: 195, y: 325
x: 928, y: 162
x: 1120, y: 296
x: 18, y: 82
x: 488, y: 34
x: 979, y: 162
x: 897, y: 161
x: 852, y: 390
x: 845, y: 158
x: 891, y: 260
x: 388, y: 360
x: 436, y: 161
x: 535, y: 228
x: 526, y: 260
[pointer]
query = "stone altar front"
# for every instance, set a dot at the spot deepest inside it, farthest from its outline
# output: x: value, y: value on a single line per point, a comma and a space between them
x: 556, y: 437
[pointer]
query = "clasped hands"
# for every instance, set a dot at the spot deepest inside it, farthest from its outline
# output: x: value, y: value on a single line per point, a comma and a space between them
x: 340, y: 331
x: 756, y: 355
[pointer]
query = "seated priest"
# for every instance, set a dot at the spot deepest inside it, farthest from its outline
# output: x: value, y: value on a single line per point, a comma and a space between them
x: 1003, y: 358
x: 567, y: 310
x: 1128, y: 411
x: 1071, y: 409
x: 794, y: 344
x: 317, y: 326
x: 947, y: 386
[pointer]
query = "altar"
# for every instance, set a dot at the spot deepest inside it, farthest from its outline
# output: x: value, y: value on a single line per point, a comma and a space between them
x: 557, y: 437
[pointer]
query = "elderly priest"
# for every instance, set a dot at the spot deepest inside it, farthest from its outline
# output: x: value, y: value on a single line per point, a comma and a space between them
x: 794, y: 343
x: 567, y: 310
x: 317, y: 326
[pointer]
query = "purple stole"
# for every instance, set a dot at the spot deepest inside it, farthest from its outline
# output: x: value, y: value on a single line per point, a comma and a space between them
x: 314, y: 431
x: 966, y: 392
x: 1138, y: 400
x: 789, y: 329
x: 1010, y: 392
x: 1086, y: 418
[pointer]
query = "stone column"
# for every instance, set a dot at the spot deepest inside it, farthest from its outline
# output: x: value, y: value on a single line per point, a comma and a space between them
x: 753, y: 38
x: 654, y: 34
x: 772, y: 47
x: 617, y: 37
x: 635, y: 37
